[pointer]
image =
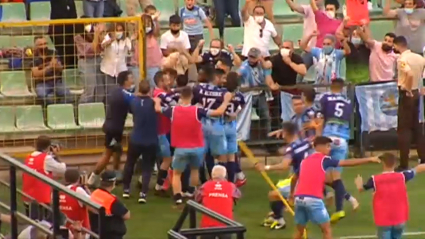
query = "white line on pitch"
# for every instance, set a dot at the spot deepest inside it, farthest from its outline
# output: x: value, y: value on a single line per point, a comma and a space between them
x: 374, y: 236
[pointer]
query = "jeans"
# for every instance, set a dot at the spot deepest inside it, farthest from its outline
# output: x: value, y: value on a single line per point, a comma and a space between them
x: 224, y: 7
x: 286, y: 106
x: 393, y: 232
x: 53, y: 92
x: 88, y: 69
x: 259, y: 103
x: 93, y: 9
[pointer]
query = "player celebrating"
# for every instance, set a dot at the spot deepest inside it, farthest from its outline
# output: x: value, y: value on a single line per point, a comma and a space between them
x: 311, y: 126
x: 390, y: 201
x: 297, y: 150
x: 309, y: 204
x: 187, y: 137
x: 336, y: 110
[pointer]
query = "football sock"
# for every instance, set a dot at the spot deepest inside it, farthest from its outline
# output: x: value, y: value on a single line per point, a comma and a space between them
x: 277, y: 208
x: 238, y: 164
x: 202, y: 175
x: 231, y: 168
x: 340, y: 192
x: 162, y: 175
x: 209, y: 162
x: 347, y: 196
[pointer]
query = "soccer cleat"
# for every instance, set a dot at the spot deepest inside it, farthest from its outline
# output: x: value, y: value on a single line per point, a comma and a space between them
x: 337, y: 216
x: 268, y: 221
x: 126, y: 193
x: 142, y: 198
x: 278, y: 224
x: 240, y: 182
x: 187, y: 195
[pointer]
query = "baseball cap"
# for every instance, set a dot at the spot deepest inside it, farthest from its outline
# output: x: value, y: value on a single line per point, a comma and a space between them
x: 254, y: 52
x: 108, y: 176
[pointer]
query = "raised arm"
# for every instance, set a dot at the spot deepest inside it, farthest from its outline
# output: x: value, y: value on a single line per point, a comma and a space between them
x: 314, y: 6
x: 387, y: 11
x: 196, y: 58
x: 245, y: 10
x: 364, y: 34
x: 295, y: 7
x: 305, y: 40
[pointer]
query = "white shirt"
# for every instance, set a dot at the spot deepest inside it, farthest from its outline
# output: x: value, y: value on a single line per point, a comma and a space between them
x: 169, y: 40
x: 114, y: 58
x: 251, y: 36
x: 80, y: 191
x: 51, y: 165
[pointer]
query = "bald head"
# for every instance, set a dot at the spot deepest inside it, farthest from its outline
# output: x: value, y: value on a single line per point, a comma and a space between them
x: 219, y: 172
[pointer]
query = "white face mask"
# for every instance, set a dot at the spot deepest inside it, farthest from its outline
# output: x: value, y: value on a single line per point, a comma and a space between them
x: 284, y: 52
x: 259, y: 19
x: 118, y: 35
x: 88, y: 27
x: 148, y: 29
x: 331, y: 14
x: 214, y: 51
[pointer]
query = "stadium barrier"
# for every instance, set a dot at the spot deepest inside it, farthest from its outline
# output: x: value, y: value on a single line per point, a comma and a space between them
x: 190, y: 210
x: 14, y: 166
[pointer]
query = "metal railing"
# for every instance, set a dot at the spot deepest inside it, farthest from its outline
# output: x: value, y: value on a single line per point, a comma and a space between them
x: 14, y: 166
x: 190, y: 210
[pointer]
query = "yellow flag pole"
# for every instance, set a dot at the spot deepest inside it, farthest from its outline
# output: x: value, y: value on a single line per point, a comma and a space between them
x: 266, y: 177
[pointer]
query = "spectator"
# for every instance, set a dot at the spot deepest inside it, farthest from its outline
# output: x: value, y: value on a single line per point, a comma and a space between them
x: 45, y: 161
x: 286, y: 66
x: 258, y: 31
x: 328, y: 57
x: 132, y: 5
x: 193, y: 18
x: 71, y: 207
x: 223, y: 8
x: 178, y: 59
x: 410, y: 69
x: 93, y: 8
x: 410, y: 23
x: 218, y: 195
x: 215, y: 54
x: 253, y: 73
x: 359, y: 51
x: 116, y: 46
x: 174, y: 38
x: 171, y: 74
x: 111, y: 9
x: 266, y: 4
x: 153, y: 52
x: 32, y: 232
x: 46, y: 72
x: 382, y: 60
x: 115, y: 212
x: 327, y: 23
x: 87, y: 44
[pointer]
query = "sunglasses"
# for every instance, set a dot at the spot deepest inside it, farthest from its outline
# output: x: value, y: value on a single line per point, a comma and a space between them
x: 261, y: 32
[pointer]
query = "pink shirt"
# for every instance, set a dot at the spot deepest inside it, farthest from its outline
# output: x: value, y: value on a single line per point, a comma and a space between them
x: 381, y: 64
x: 309, y: 25
x: 326, y: 26
x: 153, y: 53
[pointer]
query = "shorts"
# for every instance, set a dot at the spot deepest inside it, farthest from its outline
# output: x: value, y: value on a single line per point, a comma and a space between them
x: 112, y: 139
x: 215, y: 138
x: 392, y: 232
x: 339, y: 150
x: 231, y: 137
x: 164, y: 146
x: 187, y: 156
x: 285, y: 191
x: 310, y: 209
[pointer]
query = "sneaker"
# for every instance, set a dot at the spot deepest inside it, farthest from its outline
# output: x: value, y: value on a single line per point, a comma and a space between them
x: 118, y: 174
x: 337, y: 216
x: 187, y: 195
x: 142, y: 198
x: 268, y: 221
x: 240, y: 182
x: 278, y: 224
x: 93, y: 180
x: 126, y: 193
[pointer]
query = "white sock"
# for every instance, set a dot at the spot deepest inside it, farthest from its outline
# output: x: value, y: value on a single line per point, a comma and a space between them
x: 155, y: 168
x: 158, y: 187
x: 240, y: 175
x: 92, y: 179
x: 281, y: 221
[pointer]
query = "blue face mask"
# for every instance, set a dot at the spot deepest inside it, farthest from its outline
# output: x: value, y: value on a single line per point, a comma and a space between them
x: 408, y: 10
x: 327, y: 50
x: 356, y: 41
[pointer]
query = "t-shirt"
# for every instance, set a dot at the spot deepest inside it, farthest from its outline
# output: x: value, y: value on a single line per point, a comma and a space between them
x: 252, y: 38
x: 282, y: 73
x: 169, y: 40
x: 309, y: 25
x: 41, y: 63
x: 210, y: 96
x: 253, y: 76
x: 209, y: 59
x: 336, y: 110
x: 193, y: 20
x: 117, y: 108
x: 381, y: 64
x: 412, y: 27
x: 326, y: 26
x: 328, y: 67
x: 408, y: 175
x: 297, y: 151
x: 145, y: 118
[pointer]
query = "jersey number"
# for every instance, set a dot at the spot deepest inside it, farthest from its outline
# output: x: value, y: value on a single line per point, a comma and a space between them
x: 208, y: 102
x: 339, y: 109
x: 231, y: 108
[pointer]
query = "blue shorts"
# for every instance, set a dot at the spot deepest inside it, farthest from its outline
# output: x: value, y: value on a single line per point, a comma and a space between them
x: 310, y: 209
x: 164, y: 146
x: 215, y: 139
x: 187, y: 156
x: 339, y: 150
x: 231, y: 137
x: 393, y: 232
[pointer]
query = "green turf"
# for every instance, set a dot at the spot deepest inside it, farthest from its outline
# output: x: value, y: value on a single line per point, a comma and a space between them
x: 152, y: 220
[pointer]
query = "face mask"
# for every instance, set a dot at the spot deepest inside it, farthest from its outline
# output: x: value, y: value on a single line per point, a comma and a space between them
x: 148, y: 29
x: 327, y: 50
x: 331, y: 14
x: 88, y: 28
x: 259, y: 19
x: 408, y: 10
x: 174, y: 32
x: 118, y: 35
x: 356, y: 40
x: 284, y: 52
x: 214, y: 51
x: 386, y: 48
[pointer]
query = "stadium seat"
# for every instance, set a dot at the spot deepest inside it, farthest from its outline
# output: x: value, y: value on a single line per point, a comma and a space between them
x: 14, y: 12
x: 23, y: 41
x: 30, y: 118
x: 61, y: 117
x: 13, y: 84
x: 380, y: 28
x: 5, y: 41
x: 129, y: 121
x: 79, y: 7
x: 91, y: 115
x: 282, y: 10
x: 166, y: 8
x: 293, y: 32
x: 40, y: 11
x: 71, y: 79
x: 208, y: 38
x: 234, y: 36
x: 7, y: 119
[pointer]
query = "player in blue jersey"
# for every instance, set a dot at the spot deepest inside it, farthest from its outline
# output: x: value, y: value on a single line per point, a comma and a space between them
x: 312, y: 126
x: 336, y: 110
x: 172, y: 97
x: 296, y: 151
x: 235, y: 106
